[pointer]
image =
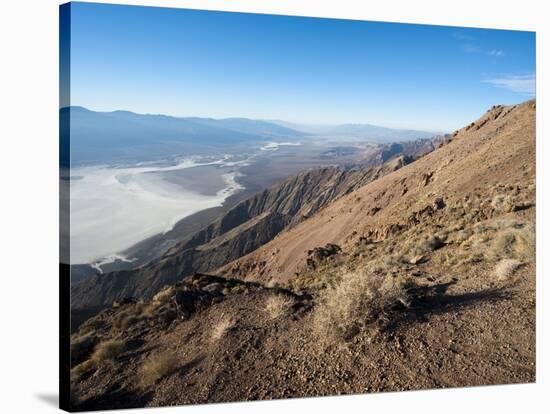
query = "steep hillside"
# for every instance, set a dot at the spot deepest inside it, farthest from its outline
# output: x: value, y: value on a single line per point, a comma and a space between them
x: 423, y: 278
x: 241, y: 230
x: 473, y: 161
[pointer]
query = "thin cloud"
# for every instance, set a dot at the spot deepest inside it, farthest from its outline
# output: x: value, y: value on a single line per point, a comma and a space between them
x: 461, y: 36
x: 524, y: 84
x: 468, y: 48
x: 496, y: 53
x: 469, y: 44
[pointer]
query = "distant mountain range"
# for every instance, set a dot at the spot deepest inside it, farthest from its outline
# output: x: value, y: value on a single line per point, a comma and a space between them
x: 119, y: 135
x: 371, y: 133
x: 124, y: 135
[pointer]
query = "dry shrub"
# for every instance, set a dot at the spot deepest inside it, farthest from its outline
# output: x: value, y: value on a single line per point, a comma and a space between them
x: 158, y: 366
x: 456, y: 227
x: 82, y: 346
x: 159, y: 300
x: 360, y: 301
x: 506, y: 268
x: 278, y: 305
x: 507, y: 223
x: 163, y: 295
x: 393, y: 260
x: 108, y: 351
x: 126, y: 317
x: 506, y: 203
x: 82, y: 368
x: 432, y: 243
x: 272, y: 284
x: 516, y: 242
x: 462, y: 236
x: 417, y: 247
x: 129, y: 321
x: 222, y: 327
x: 91, y: 326
x: 480, y: 228
x: 239, y: 289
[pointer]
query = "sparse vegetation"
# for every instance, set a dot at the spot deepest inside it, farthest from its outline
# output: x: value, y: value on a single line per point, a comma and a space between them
x: 82, y: 346
x: 163, y: 296
x: 506, y: 268
x: 129, y: 321
x: 277, y: 305
x: 517, y: 242
x: 272, y: 284
x: 361, y: 300
x: 108, y: 351
x: 222, y: 327
x: 238, y: 289
x: 82, y: 368
x: 505, y: 203
x: 326, y: 274
x: 462, y: 236
x: 90, y: 326
x: 158, y: 366
x: 414, y: 248
x: 127, y: 317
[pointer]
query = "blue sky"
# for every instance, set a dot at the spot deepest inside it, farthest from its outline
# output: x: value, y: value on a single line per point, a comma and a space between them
x: 198, y: 63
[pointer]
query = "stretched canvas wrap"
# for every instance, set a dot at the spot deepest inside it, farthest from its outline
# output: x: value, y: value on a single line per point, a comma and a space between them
x: 259, y: 207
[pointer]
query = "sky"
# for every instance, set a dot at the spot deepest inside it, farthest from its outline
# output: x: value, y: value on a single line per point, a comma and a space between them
x: 306, y: 70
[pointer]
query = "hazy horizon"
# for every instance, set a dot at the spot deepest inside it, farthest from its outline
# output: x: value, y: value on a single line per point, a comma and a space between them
x: 273, y: 120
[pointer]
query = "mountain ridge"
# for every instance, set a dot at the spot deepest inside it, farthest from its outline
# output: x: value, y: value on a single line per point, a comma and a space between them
x: 390, y: 196
x: 245, y: 227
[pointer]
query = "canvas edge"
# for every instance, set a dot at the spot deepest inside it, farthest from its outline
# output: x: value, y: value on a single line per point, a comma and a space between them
x: 64, y: 213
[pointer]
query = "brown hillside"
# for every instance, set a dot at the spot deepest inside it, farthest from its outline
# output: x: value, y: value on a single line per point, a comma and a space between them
x: 498, y: 148
x: 241, y: 230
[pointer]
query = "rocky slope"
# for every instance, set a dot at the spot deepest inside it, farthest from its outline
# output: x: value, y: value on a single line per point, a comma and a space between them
x: 244, y: 228
x: 472, y: 161
x: 424, y: 278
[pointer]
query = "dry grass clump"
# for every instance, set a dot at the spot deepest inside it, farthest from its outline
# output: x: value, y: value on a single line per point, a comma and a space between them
x: 515, y: 242
x: 222, y: 327
x: 277, y: 306
x: 163, y: 295
x: 141, y: 311
x: 324, y: 275
x: 82, y: 368
x: 129, y: 321
x: 272, y: 284
x: 150, y: 309
x: 505, y: 203
x: 506, y: 268
x: 91, y: 326
x: 361, y: 300
x: 82, y: 346
x: 393, y: 260
x: 462, y: 235
x: 158, y: 366
x: 431, y: 243
x: 108, y: 351
x: 415, y: 248
x: 239, y: 289
x: 128, y: 317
